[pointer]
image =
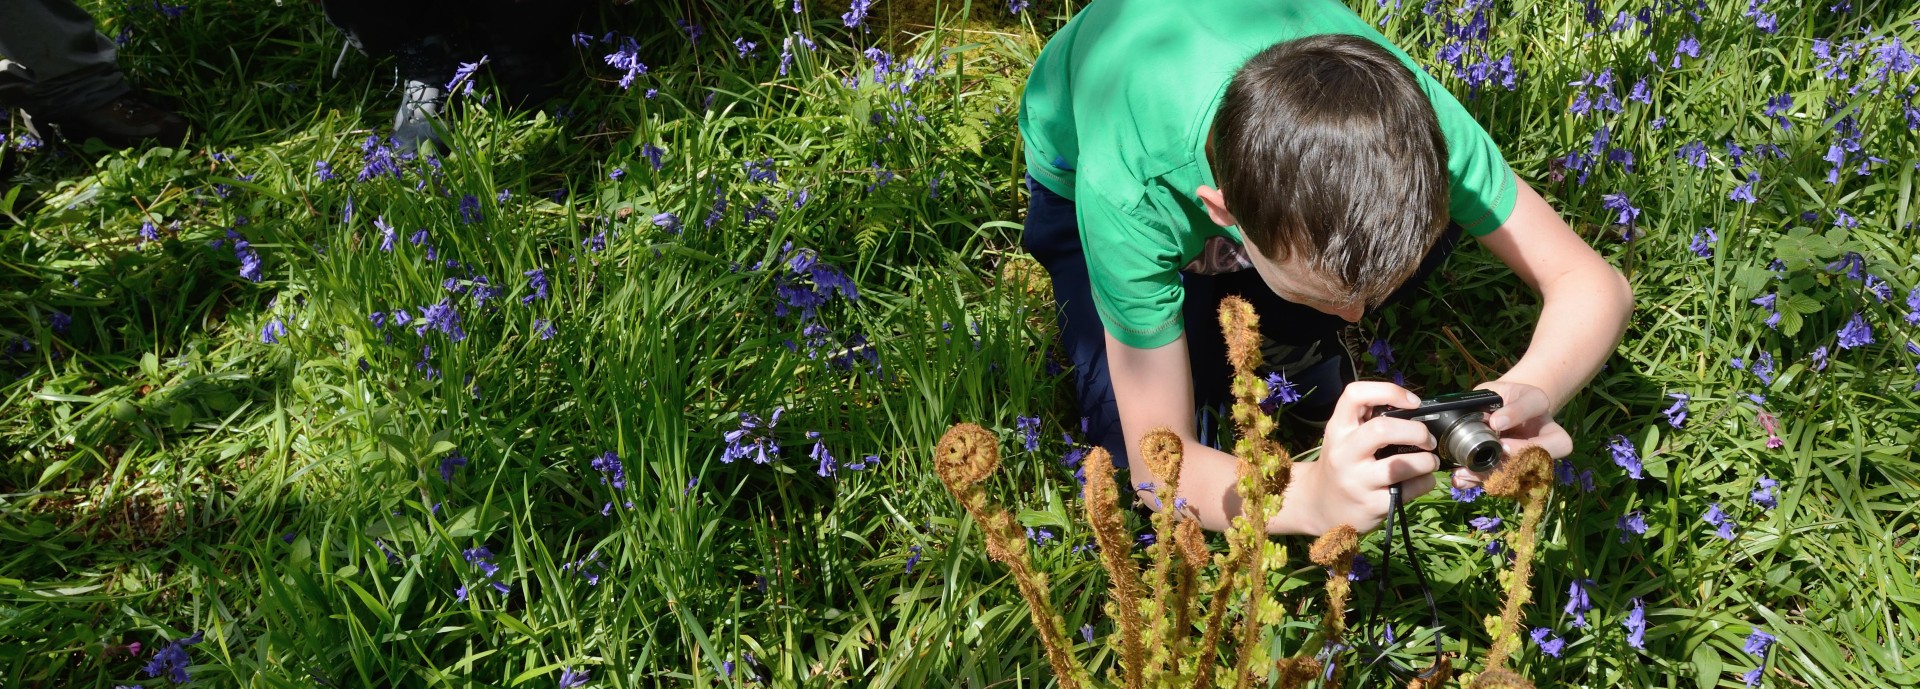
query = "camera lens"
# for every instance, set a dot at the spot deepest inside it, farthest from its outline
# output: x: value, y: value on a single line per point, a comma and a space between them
x: 1469, y: 442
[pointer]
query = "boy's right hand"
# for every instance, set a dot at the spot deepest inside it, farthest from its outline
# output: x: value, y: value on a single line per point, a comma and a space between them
x: 1348, y: 485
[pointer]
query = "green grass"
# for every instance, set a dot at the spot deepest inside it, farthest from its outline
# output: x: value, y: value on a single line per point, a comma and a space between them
x: 156, y: 452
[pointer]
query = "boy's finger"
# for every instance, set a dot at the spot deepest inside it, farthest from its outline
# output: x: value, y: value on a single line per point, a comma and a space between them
x: 1360, y: 398
x: 1401, y: 468
x: 1517, y: 411
x: 1464, y: 478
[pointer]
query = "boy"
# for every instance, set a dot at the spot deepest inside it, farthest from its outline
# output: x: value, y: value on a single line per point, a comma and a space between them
x: 1284, y: 151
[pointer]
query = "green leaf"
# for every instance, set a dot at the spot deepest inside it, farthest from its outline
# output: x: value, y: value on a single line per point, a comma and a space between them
x: 1707, y: 667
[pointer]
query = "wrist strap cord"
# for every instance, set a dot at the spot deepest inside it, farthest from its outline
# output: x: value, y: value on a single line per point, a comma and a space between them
x: 1384, y: 642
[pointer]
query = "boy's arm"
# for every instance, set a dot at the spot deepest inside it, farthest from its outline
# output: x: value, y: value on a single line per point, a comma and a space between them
x: 1585, y: 303
x: 1153, y: 388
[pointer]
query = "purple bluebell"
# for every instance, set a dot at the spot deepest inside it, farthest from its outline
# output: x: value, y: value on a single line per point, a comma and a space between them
x: 323, y: 171
x: 856, y: 14
x: 1578, y: 602
x: 273, y: 331
x: 820, y: 455
x: 653, y: 154
x: 1361, y: 569
x: 1719, y: 519
x: 1752, y: 677
x: 1852, y: 263
x: 1744, y: 193
x: 469, y: 209
x: 626, y: 58
x: 544, y: 328
x: 1763, y: 495
x: 1086, y: 633
x: 570, y: 678
x: 753, y: 439
x: 762, y: 171
x: 1777, y: 108
x: 537, y: 281
x: 441, y: 317
x: 1636, y: 624
x: 1641, y: 92
x: 148, y: 233
x: 1856, y: 333
x: 1553, y: 646
x: 1631, y: 523
x: 1016, y: 6
x: 60, y: 322
x: 1693, y: 153
x: 1758, y: 643
x: 1621, y: 206
x: 387, y: 233
x: 1878, y: 288
x: 1466, y: 494
x: 1484, y: 523
x: 745, y: 48
x: 1625, y: 455
x: 612, y: 472
x: 1703, y: 241
x: 668, y: 223
x: 1029, y: 427
x: 1770, y: 302
x: 1279, y: 391
x: 250, y: 267
x: 1040, y: 536
x: 450, y: 463
x: 1763, y: 368
x: 1766, y: 22
x: 462, y: 81
x: 1677, y: 414
x: 1382, y: 355
x: 913, y: 557
x: 172, y: 659
x: 616, y: 173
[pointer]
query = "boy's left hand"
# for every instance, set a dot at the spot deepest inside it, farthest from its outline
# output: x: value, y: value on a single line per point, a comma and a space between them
x: 1524, y: 419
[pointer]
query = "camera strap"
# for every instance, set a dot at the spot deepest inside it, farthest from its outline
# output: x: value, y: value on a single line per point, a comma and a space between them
x: 1397, y: 512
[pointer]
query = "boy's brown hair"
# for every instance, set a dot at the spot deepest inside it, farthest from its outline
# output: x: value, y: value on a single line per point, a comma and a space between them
x: 1326, y: 147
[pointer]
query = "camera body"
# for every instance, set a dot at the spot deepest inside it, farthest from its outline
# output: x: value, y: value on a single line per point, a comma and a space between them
x: 1458, y: 423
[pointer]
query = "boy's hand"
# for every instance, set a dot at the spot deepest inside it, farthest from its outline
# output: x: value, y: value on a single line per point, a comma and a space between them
x: 1348, y: 485
x: 1525, y: 419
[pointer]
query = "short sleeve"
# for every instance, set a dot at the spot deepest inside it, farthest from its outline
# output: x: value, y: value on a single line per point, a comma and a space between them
x: 1483, y: 190
x: 1133, y: 264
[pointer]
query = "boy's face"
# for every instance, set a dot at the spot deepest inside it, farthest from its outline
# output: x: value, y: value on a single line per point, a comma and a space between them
x: 1294, y: 282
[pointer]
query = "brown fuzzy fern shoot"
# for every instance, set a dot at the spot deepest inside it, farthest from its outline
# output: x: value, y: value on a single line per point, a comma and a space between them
x: 1526, y: 477
x: 1165, y: 455
x: 1110, y: 532
x: 965, y: 457
x: 1334, y: 551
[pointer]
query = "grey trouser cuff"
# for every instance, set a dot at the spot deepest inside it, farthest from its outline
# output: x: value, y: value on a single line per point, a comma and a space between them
x: 53, y: 63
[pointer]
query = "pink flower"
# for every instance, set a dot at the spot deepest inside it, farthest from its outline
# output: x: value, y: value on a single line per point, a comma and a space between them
x: 1772, y: 425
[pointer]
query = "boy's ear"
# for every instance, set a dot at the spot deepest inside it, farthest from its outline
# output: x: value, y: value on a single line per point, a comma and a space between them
x: 1216, y: 203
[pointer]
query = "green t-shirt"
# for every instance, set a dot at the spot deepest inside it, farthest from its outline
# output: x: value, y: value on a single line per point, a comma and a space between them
x: 1115, y: 117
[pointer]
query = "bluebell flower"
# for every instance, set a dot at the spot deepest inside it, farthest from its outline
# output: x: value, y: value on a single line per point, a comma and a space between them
x: 387, y: 234
x: 1625, y: 455
x: 1766, y: 22
x: 667, y: 222
x: 1578, y: 602
x: 1878, y: 288
x: 1752, y: 677
x: 172, y: 659
x: 323, y: 171
x: 1621, y: 206
x: 913, y: 557
x: 1693, y: 153
x: 1040, y: 537
x: 1631, y: 523
x: 1636, y: 624
x: 1677, y: 414
x: 821, y: 455
x: 1703, y: 241
x: 1758, y: 643
x: 1382, y: 355
x: 441, y: 317
x: 856, y: 14
x: 753, y: 439
x: 1467, y: 494
x: 1086, y: 633
x: 449, y: 463
x: 626, y: 58
x: 1551, y: 646
x: 1719, y: 519
x: 653, y: 154
x: 273, y: 331
x: 745, y: 48
x: 612, y: 472
x: 570, y: 678
x: 250, y: 267
x: 1361, y: 569
x: 469, y: 209
x: 1744, y: 193
x: 1658, y: 123
x: 1777, y: 108
x: 1279, y: 391
x: 1763, y: 368
x: 1016, y: 6
x: 1853, y: 264
x: 1763, y: 495
x: 1484, y: 523
x: 462, y: 81
x: 148, y: 233
x: 1856, y: 333
x: 537, y: 280
x: 60, y: 322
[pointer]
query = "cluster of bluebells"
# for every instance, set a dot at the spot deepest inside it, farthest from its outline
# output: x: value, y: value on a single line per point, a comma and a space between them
x: 1721, y: 521
x: 1759, y: 643
x: 171, y: 660
x: 1625, y: 455
x: 613, y: 474
x: 590, y: 568
x: 1464, y: 46
x: 1279, y: 391
x: 753, y: 439
x: 481, y: 559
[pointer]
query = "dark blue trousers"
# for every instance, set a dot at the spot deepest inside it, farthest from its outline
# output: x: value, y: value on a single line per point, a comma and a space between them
x: 1052, y: 237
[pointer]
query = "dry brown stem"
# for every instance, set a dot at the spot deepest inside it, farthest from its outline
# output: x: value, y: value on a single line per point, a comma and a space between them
x: 1527, y: 476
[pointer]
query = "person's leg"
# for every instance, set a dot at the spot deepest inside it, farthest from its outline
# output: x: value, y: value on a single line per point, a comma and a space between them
x: 55, y: 64
x: 1052, y: 237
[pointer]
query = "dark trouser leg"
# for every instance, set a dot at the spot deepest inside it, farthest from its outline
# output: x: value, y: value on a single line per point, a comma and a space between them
x: 1052, y: 237
x: 56, y: 65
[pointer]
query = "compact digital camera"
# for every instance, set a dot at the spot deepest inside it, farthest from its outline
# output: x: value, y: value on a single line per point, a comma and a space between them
x: 1458, y: 423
